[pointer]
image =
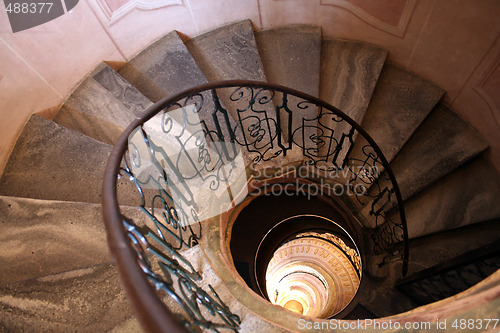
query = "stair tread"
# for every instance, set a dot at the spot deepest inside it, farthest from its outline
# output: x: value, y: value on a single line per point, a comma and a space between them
x: 89, y: 299
x: 102, y: 106
x: 349, y: 74
x: 163, y: 68
x: 231, y: 53
x: 166, y: 67
x: 291, y: 57
x: 439, y: 248
x: 401, y: 101
x: 442, y: 143
x: 467, y: 195
x: 52, y: 162
x: 42, y: 237
x: 228, y: 53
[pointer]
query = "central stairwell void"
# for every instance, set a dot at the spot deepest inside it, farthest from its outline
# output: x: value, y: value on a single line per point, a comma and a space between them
x: 260, y: 181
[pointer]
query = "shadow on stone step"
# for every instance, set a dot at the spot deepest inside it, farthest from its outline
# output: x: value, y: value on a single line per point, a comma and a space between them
x: 84, y: 300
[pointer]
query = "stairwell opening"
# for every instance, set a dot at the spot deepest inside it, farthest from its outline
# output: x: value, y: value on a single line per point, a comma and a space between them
x: 299, y: 251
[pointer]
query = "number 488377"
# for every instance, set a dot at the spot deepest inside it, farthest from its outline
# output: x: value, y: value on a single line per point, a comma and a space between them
x: 29, y: 8
x: 474, y: 324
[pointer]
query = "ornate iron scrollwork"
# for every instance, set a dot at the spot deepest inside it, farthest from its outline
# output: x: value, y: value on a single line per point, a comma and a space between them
x: 189, y: 150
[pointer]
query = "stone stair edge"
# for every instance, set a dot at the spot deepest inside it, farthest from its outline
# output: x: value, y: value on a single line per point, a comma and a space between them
x: 416, y: 74
x: 354, y: 41
x: 62, y: 274
x: 443, y: 103
x: 469, y: 127
x: 85, y: 300
x: 225, y: 26
x: 185, y: 38
x: 103, y: 64
x: 69, y: 129
x: 59, y: 202
x: 308, y: 28
x: 477, y: 158
x: 97, y: 68
x: 35, y: 115
x: 181, y: 35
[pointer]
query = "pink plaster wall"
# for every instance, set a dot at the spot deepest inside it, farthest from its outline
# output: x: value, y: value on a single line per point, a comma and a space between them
x: 455, y: 43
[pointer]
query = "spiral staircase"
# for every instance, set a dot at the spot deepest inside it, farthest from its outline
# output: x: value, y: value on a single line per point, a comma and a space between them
x: 58, y: 274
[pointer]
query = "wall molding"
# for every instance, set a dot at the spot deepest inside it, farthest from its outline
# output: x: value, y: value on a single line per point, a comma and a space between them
x: 113, y: 16
x: 398, y: 30
x: 479, y: 88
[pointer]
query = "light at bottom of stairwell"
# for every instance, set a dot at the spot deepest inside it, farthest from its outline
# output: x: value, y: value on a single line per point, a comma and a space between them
x: 295, y: 306
x: 313, y: 276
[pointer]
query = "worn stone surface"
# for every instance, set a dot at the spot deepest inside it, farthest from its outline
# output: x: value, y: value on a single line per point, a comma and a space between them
x: 439, y: 248
x: 84, y: 300
x: 42, y: 237
x: 52, y: 162
x: 349, y: 73
x: 131, y: 325
x: 383, y: 299
x: 442, y: 143
x: 230, y: 53
x: 466, y: 196
x: 46, y: 237
x: 166, y: 67
x: 291, y: 57
x: 400, y: 103
x: 102, y: 106
x: 163, y: 68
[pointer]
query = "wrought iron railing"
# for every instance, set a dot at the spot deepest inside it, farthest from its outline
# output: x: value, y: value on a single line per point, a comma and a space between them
x: 188, y: 158
x: 455, y: 276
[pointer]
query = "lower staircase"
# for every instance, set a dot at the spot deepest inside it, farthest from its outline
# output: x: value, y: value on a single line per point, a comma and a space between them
x: 58, y: 274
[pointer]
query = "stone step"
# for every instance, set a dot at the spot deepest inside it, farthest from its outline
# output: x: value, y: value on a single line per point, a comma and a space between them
x: 442, y: 143
x: 163, y: 68
x: 83, y: 300
x: 400, y: 103
x: 379, y: 294
x: 467, y: 195
x: 231, y: 53
x: 52, y: 162
x: 42, y: 237
x: 291, y: 58
x: 228, y: 53
x: 166, y: 67
x: 349, y: 74
x: 452, y: 277
x: 440, y: 248
x: 102, y: 106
